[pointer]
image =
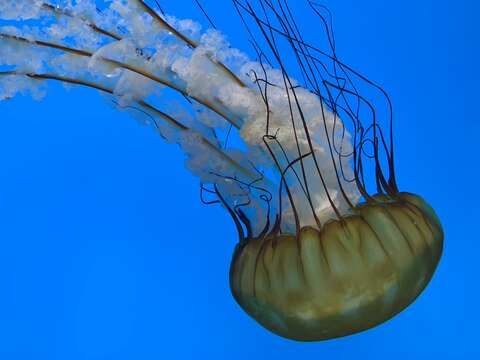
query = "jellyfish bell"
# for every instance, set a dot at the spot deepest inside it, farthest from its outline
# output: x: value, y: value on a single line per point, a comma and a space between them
x: 328, y: 245
x: 352, y: 274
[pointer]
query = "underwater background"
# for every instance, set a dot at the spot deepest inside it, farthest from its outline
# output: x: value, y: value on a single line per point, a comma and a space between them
x: 106, y: 251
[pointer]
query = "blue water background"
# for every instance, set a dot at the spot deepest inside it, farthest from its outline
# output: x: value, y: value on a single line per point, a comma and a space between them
x: 107, y: 253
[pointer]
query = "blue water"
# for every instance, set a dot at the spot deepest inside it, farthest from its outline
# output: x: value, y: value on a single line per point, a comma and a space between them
x: 107, y: 253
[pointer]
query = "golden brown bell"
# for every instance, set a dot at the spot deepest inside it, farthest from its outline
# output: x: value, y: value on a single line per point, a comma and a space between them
x: 349, y: 276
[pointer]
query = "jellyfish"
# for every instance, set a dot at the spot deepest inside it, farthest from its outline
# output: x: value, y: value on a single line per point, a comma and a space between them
x: 296, y: 145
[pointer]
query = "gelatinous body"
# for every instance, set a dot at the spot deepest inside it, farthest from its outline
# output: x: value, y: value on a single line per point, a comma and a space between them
x: 351, y: 275
x: 292, y: 144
